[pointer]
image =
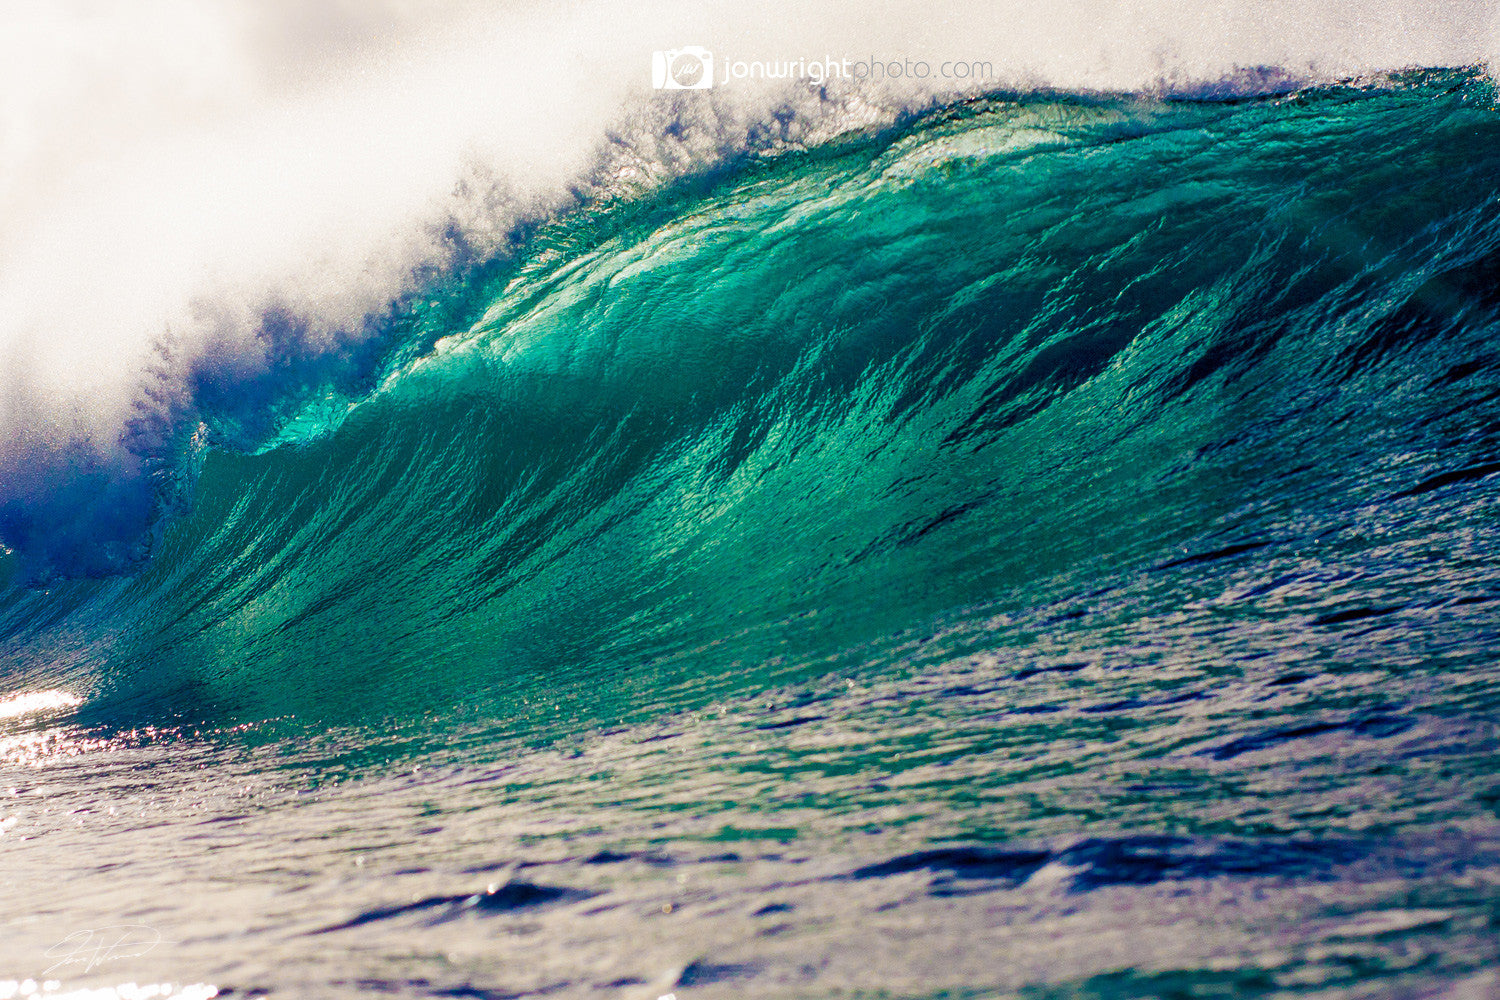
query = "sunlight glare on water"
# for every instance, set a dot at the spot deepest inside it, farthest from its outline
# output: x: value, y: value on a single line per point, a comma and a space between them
x: 52, y: 989
x: 33, y: 702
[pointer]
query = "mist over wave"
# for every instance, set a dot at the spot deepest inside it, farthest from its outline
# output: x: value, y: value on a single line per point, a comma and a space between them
x: 214, y: 214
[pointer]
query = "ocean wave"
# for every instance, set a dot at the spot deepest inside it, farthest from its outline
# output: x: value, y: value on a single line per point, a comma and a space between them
x: 1015, y: 346
x: 327, y: 217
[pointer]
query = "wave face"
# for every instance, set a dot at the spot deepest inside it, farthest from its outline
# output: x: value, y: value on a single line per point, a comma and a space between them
x: 998, y: 356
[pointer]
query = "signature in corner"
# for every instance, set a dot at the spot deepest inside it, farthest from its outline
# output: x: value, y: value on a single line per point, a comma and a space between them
x: 92, y: 948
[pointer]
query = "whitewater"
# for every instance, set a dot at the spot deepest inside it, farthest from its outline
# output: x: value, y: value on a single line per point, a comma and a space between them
x: 480, y: 522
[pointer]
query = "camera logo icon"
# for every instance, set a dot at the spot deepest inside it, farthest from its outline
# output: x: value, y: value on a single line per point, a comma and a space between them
x: 688, y: 68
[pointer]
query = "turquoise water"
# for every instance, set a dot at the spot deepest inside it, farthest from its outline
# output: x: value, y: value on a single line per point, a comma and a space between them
x: 1043, y: 548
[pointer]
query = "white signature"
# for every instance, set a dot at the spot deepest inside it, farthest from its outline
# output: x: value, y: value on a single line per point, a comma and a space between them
x: 93, y: 948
